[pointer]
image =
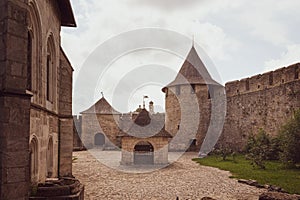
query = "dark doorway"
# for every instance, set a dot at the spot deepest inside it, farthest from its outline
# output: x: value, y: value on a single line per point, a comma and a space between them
x: 143, y: 154
x: 193, y: 145
x: 99, y: 139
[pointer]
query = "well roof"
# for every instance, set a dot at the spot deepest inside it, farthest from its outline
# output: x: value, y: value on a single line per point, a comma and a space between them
x: 145, y: 126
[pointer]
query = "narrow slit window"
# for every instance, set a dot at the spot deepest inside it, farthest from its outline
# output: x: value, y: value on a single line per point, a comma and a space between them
x: 193, y: 87
x: 247, y: 85
x: 178, y: 90
x: 271, y: 79
x: 296, y: 73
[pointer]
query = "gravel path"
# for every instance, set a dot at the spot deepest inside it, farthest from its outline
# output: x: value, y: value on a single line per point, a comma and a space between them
x: 184, y: 179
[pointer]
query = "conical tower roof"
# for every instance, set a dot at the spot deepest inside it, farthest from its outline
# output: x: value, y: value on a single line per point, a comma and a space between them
x: 101, y: 107
x: 193, y: 71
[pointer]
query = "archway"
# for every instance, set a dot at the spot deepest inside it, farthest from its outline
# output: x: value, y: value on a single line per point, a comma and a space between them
x: 143, y: 153
x: 34, y: 160
x: 50, y: 158
x: 99, y: 139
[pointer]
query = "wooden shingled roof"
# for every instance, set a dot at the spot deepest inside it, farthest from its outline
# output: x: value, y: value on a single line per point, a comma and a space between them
x: 193, y: 71
x: 101, y: 107
x: 144, y: 126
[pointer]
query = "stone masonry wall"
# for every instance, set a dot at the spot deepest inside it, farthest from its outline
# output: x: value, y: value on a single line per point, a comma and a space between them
x: 45, y: 114
x: 264, y: 101
x: 65, y: 112
x: 105, y: 124
x: 160, y: 146
x: 110, y: 127
x: 14, y: 102
x: 187, y: 115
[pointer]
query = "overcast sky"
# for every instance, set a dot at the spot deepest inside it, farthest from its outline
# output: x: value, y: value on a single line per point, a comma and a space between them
x: 241, y: 37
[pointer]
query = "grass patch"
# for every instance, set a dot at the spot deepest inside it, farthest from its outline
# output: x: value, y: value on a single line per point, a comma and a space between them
x: 274, y: 174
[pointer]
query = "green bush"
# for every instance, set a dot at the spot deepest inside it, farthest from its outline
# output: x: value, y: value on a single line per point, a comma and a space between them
x: 223, y: 150
x: 274, y: 150
x: 258, y: 149
x: 289, y: 137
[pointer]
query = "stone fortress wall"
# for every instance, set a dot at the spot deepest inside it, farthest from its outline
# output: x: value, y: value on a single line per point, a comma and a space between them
x: 263, y: 101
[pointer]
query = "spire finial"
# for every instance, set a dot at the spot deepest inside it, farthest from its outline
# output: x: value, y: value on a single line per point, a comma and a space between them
x: 102, y: 94
x: 193, y: 42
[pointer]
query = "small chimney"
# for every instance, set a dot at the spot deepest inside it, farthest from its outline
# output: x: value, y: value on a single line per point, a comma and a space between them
x: 151, y: 108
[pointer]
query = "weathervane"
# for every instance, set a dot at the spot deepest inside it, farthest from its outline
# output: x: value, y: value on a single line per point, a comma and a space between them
x: 102, y: 94
x: 144, y: 97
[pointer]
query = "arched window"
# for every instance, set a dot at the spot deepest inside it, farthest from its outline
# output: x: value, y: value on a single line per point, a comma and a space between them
x: 34, y: 160
x: 50, y: 69
x: 34, y: 80
x: 50, y: 158
x: 29, y: 61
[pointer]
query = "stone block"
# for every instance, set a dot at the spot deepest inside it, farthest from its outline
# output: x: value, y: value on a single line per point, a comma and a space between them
x: 15, y: 175
x: 3, y: 10
x: 16, y: 12
x: 17, y: 69
x: 15, y: 83
x: 16, y: 29
x: 4, y: 117
x: 2, y: 46
x: 16, y: 48
x: 15, y: 159
x: 15, y: 191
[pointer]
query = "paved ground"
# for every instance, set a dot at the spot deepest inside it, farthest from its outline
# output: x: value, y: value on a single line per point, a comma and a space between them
x: 183, y: 179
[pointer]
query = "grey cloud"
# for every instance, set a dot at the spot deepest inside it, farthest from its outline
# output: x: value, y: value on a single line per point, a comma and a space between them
x: 168, y: 5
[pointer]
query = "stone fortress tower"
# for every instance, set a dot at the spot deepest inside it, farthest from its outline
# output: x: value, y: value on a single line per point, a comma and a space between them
x: 188, y: 103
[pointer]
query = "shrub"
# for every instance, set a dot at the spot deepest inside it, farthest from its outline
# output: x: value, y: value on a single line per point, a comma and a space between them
x: 258, y: 148
x: 289, y: 137
x: 274, y: 149
x: 223, y: 150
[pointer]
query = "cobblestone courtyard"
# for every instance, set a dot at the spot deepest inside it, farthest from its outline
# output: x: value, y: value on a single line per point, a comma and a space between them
x: 183, y: 179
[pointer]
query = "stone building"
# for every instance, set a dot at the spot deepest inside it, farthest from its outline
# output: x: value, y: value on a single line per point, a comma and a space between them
x: 35, y: 96
x: 188, y: 103
x: 101, y: 125
x: 145, y: 142
x: 263, y: 101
